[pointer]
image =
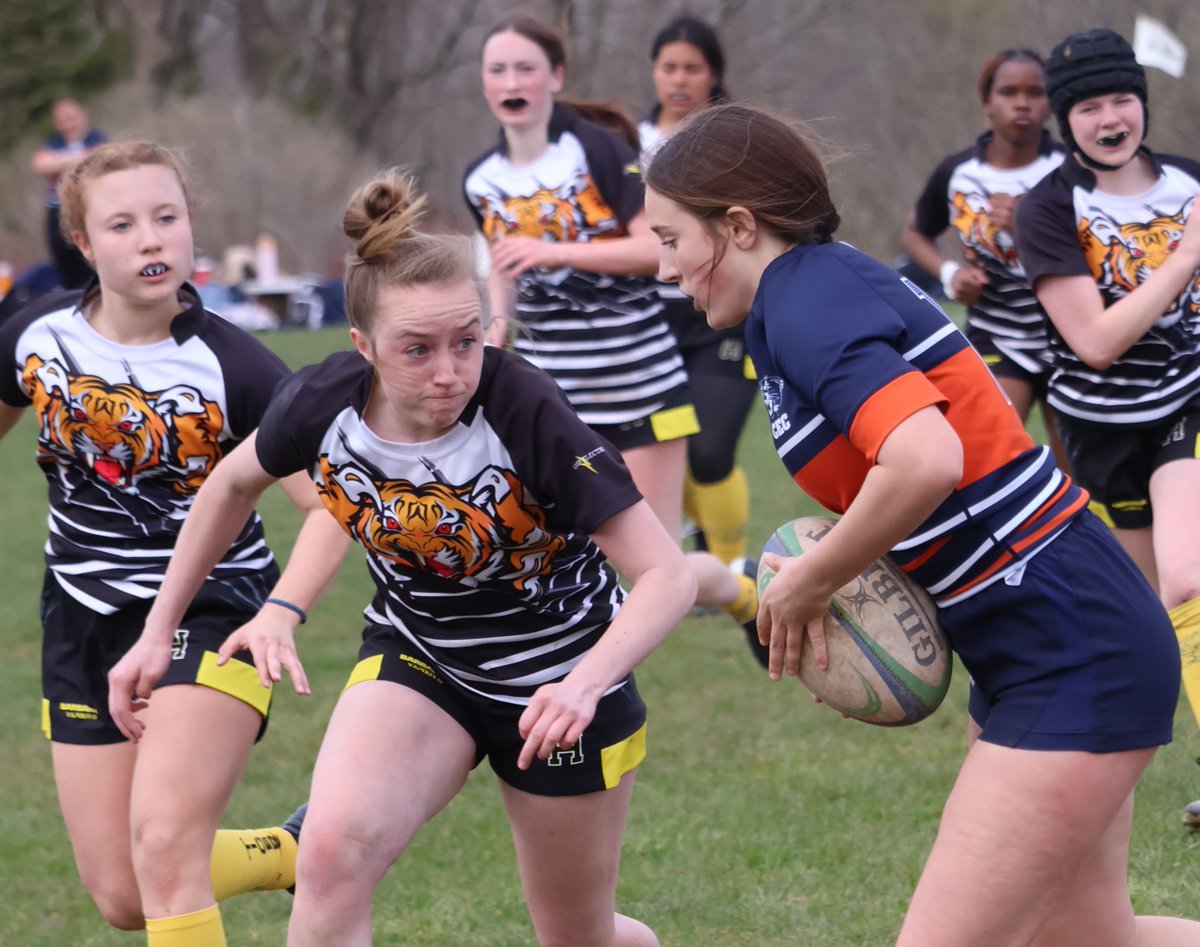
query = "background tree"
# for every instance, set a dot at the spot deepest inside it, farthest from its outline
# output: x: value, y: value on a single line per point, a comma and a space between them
x: 285, y: 104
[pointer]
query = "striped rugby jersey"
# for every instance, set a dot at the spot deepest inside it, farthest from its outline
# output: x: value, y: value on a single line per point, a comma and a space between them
x: 602, y: 338
x: 1069, y: 228
x: 957, y: 195
x: 477, y: 541
x: 845, y: 350
x: 126, y: 436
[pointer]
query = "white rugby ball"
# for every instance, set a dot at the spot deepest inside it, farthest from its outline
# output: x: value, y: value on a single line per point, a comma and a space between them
x: 889, y: 661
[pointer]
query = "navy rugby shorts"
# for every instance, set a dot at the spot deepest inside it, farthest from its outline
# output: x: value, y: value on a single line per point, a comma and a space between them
x: 1074, y: 652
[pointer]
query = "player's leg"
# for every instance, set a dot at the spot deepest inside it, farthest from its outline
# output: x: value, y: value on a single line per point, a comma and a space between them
x: 192, y: 754
x: 568, y: 852
x: 1013, y: 841
x: 1102, y: 872
x: 93, y: 792
x: 391, y: 759
x: 1054, y: 438
x: 717, y: 491
x: 658, y: 470
x: 1019, y: 391
x: 1175, y: 496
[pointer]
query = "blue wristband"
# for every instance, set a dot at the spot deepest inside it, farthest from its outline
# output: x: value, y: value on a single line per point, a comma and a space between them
x: 290, y: 607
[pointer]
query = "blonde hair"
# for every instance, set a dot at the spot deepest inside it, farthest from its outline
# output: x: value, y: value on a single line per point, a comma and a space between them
x: 117, y: 156
x: 391, y: 250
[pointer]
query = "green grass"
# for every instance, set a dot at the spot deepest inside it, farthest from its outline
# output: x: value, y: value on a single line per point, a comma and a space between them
x: 759, y: 819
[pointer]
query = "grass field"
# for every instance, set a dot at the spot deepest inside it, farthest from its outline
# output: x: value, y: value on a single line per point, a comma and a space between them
x: 759, y: 819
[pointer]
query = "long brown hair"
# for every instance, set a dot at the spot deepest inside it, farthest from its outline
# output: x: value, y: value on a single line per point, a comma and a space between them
x: 741, y: 155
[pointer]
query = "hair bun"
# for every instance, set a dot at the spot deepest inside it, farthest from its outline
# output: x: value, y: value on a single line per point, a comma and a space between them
x: 382, y: 215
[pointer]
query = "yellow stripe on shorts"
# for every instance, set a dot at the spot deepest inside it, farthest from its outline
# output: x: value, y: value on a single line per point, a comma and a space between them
x: 673, y: 423
x: 46, y: 717
x: 366, y: 670
x: 237, y: 679
x: 1101, y: 511
x: 748, y: 371
x: 621, y: 758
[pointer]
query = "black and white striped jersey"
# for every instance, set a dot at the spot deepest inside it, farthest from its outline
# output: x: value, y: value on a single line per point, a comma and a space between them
x: 126, y: 436
x: 958, y: 195
x: 1068, y: 227
x: 477, y: 541
x: 602, y: 338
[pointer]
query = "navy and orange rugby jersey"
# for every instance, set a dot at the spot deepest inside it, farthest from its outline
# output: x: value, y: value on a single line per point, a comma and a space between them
x: 128, y: 433
x: 958, y: 195
x: 477, y: 541
x: 845, y: 350
x: 1068, y: 227
x: 601, y: 337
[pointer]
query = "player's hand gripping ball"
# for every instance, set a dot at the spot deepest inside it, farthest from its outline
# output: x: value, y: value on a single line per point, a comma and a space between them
x: 889, y: 661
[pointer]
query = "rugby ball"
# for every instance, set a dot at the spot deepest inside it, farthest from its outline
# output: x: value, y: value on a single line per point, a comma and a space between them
x: 889, y: 661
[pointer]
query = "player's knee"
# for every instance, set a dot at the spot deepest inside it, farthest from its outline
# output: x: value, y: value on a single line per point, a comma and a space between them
x: 631, y: 932
x: 1178, y: 585
x: 335, y: 856
x: 711, y: 461
x: 119, y: 908
x: 115, y: 894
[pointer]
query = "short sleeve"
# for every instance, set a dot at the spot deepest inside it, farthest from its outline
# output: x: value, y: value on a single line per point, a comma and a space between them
x: 615, y: 168
x: 1047, y: 241
x: 575, y: 473
x: 842, y: 348
x: 302, y: 410
x: 931, y: 213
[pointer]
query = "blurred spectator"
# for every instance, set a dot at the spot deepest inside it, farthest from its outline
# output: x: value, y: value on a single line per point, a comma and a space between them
x: 73, y: 140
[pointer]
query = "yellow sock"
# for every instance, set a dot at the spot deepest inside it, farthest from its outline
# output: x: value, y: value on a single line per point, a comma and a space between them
x: 745, y: 606
x: 252, y: 860
x: 722, y: 509
x: 1186, y: 619
x: 198, y: 929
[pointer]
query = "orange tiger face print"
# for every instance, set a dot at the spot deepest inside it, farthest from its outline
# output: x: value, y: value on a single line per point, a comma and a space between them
x: 550, y: 215
x: 979, y: 235
x: 121, y: 433
x: 541, y: 215
x: 481, y: 530
x: 1125, y: 254
x: 1122, y: 256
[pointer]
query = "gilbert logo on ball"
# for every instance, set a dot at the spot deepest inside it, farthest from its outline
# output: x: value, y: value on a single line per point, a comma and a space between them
x: 889, y: 661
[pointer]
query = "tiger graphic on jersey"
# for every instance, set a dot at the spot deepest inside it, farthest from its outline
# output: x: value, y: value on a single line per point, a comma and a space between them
x: 547, y: 214
x: 979, y: 235
x: 479, y: 531
x: 123, y: 434
x: 1122, y: 256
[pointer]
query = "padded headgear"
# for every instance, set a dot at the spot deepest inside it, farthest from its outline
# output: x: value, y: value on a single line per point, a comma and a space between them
x: 1094, y: 62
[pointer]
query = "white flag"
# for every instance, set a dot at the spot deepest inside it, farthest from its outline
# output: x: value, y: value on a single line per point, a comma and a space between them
x: 1156, y: 46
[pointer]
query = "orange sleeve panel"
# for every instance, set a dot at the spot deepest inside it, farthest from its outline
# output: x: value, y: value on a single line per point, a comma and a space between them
x: 835, y: 475
x: 987, y: 424
x: 883, y: 411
